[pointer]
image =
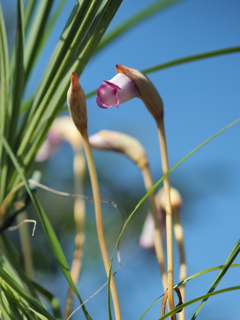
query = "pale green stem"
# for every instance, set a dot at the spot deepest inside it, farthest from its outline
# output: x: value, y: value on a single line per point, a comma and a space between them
x: 147, y: 177
x: 99, y: 222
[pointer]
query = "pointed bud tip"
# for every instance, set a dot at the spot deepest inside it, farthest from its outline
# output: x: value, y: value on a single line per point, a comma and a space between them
x: 119, y: 68
x: 74, y: 78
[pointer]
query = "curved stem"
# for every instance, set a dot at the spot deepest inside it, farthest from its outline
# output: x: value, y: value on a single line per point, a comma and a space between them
x: 169, y: 232
x: 99, y: 222
x: 147, y: 177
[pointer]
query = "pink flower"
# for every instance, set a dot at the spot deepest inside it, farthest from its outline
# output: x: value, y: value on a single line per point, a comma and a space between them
x: 116, y: 91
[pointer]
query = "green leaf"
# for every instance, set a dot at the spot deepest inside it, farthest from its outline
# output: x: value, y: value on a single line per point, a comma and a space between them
x: 132, y: 21
x: 36, y: 34
x: 12, y: 257
x: 53, y: 300
x: 4, y: 73
x: 154, y: 187
x: 206, y: 296
x: 4, y: 88
x: 51, y: 236
x: 18, y: 76
x: 191, y: 58
x: 235, y: 251
x: 186, y: 280
x: 28, y: 13
x: 49, y: 28
x: 22, y: 294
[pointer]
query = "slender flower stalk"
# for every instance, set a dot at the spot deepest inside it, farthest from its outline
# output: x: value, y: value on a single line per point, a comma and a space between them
x: 153, y: 102
x: 79, y: 216
x: 123, y: 143
x: 176, y: 202
x: 77, y: 108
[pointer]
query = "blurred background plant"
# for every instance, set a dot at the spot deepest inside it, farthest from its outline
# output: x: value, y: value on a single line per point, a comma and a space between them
x: 38, y: 54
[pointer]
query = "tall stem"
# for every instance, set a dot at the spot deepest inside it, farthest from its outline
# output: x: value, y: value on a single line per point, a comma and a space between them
x: 178, y: 230
x: 147, y: 177
x: 99, y: 222
x: 79, y: 216
x: 169, y: 232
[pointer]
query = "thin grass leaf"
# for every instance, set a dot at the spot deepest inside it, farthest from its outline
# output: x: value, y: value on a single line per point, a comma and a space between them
x: 53, y: 300
x: 206, y: 296
x: 12, y: 257
x: 36, y: 34
x: 18, y: 76
x: 28, y: 13
x: 51, y: 236
x: 153, y: 188
x: 4, y: 73
x: 191, y: 58
x: 40, y: 316
x: 186, y: 280
x: 131, y: 22
x: 22, y: 294
x: 4, y: 88
x: 49, y: 28
x: 235, y: 251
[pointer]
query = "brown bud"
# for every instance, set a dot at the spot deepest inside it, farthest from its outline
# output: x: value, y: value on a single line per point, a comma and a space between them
x: 77, y: 104
x: 120, y: 142
x: 148, y: 91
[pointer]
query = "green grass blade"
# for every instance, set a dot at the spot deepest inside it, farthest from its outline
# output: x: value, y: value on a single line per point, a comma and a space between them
x: 51, y: 236
x: 36, y: 34
x: 28, y: 13
x: 49, y: 28
x: 191, y: 58
x: 140, y: 16
x: 22, y: 294
x: 186, y: 280
x: 18, y: 76
x: 11, y: 255
x: 4, y: 87
x: 53, y: 300
x: 206, y: 296
x: 156, y: 185
x: 4, y: 72
x: 219, y: 277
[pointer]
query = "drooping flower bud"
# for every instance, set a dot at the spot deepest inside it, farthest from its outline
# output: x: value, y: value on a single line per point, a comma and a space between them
x: 176, y: 199
x: 120, y: 142
x: 61, y: 129
x: 77, y: 104
x: 116, y: 91
x: 148, y: 92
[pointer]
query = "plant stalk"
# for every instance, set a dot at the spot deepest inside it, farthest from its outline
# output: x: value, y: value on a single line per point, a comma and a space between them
x: 99, y: 221
x: 147, y: 177
x: 169, y: 231
x: 178, y: 231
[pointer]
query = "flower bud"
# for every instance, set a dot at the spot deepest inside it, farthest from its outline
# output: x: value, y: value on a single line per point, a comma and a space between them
x: 148, y: 92
x: 120, y: 142
x: 77, y: 104
x: 176, y: 200
x: 116, y: 91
